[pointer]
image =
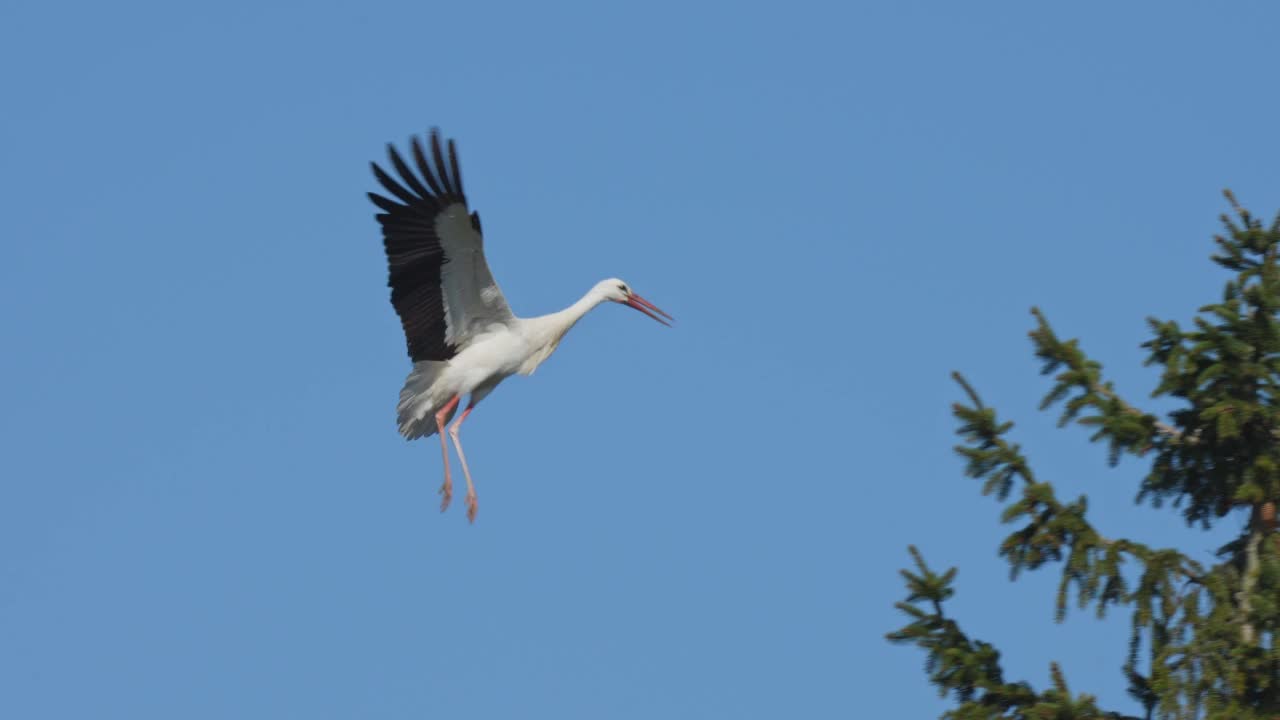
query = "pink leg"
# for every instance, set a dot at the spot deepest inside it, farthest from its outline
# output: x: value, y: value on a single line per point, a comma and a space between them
x: 446, y: 490
x: 473, y: 504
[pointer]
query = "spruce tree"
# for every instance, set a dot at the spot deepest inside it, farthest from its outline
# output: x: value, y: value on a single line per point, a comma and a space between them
x: 1203, y: 639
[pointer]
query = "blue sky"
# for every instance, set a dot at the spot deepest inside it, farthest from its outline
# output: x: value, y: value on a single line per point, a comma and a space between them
x: 206, y: 511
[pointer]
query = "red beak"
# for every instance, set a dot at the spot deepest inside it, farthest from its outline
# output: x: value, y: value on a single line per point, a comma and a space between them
x: 648, y: 308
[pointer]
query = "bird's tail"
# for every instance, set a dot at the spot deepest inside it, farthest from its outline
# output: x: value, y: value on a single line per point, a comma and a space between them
x: 420, y: 400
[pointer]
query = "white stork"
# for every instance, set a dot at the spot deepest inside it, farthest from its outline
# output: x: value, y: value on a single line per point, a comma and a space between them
x: 463, y: 338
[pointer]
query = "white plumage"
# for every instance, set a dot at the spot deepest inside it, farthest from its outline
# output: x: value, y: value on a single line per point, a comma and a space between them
x: 462, y: 336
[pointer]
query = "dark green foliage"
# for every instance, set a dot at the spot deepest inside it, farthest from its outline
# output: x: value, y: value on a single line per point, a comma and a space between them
x: 970, y: 669
x: 1203, y: 640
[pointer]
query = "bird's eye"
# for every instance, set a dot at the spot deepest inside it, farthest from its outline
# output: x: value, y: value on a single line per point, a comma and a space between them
x: 624, y: 289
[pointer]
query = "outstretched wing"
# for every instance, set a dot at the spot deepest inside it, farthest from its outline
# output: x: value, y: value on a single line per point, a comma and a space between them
x: 441, y: 286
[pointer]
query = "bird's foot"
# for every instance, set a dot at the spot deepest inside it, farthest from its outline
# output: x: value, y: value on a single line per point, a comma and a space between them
x: 473, y: 506
x: 446, y: 495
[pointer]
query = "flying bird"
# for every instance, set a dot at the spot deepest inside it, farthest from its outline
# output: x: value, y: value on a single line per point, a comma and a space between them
x: 463, y: 338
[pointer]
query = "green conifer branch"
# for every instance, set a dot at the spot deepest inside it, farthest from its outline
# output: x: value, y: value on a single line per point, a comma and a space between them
x: 1053, y: 531
x: 1089, y: 400
x: 969, y: 669
x: 1204, y: 643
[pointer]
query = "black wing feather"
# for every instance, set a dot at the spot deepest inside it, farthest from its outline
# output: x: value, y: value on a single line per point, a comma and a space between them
x: 453, y: 163
x: 394, y: 187
x: 441, y: 169
x: 424, y: 167
x: 414, y: 254
x: 402, y: 169
x: 385, y: 204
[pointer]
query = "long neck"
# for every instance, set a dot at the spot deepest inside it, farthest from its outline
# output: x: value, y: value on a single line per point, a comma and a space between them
x: 558, y: 323
x: 546, y: 331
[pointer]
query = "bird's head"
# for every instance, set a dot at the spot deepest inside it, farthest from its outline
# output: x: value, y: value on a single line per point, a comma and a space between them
x: 615, y: 290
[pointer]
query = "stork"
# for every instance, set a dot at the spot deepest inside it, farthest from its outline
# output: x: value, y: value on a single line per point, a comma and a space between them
x: 463, y: 338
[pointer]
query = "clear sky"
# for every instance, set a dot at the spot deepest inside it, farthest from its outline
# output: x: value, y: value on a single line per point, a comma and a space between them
x: 205, y: 508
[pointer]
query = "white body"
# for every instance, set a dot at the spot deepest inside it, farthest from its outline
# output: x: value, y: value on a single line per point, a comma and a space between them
x: 489, y: 356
